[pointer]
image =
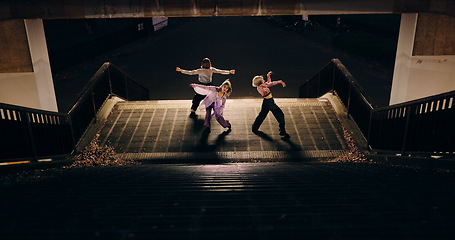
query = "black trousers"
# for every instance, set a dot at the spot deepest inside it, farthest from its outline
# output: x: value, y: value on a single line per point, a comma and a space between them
x: 198, y: 97
x: 269, y: 105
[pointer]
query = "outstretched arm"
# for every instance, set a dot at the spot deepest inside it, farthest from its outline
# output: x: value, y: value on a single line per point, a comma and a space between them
x: 269, y: 82
x: 225, y: 72
x: 202, y: 89
x: 187, y: 72
x: 269, y: 79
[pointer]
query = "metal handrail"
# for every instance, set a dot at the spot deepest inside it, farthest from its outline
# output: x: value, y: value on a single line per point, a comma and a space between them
x: 42, y: 131
x: 417, y: 101
x: 334, y: 77
x: 95, y: 78
x: 96, y: 92
x: 320, y: 69
x: 86, y: 90
x: 31, y: 110
x: 422, y: 125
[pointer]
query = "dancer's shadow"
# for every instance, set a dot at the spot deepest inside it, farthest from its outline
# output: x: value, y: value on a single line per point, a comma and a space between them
x: 294, y: 147
x: 220, y: 140
x: 263, y: 135
x: 198, y: 124
x: 204, y: 146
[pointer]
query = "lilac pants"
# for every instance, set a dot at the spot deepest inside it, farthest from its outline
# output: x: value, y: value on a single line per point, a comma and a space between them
x: 218, y: 117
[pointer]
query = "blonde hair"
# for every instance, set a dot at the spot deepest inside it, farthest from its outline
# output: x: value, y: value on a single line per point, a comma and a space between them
x: 228, y: 84
x: 257, y: 81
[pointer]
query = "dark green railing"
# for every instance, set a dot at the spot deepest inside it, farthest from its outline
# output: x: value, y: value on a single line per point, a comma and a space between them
x: 334, y: 77
x: 35, y: 134
x: 424, y: 125
x: 107, y: 81
x: 31, y: 134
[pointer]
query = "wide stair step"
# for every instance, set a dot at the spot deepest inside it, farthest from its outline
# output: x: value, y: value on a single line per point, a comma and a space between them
x: 163, y: 130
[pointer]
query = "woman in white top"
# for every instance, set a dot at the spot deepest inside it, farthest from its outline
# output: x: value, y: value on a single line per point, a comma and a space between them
x: 205, y: 78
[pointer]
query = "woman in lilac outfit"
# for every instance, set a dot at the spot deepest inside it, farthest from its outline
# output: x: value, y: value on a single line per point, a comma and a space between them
x: 215, y: 99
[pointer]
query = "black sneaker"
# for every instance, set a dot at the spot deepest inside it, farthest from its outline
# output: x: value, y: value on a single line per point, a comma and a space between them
x: 285, y: 135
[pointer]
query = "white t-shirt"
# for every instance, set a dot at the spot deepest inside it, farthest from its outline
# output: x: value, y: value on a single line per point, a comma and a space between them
x: 205, y: 75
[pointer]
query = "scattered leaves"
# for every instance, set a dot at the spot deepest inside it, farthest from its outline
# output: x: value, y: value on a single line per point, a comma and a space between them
x: 353, y: 154
x: 96, y: 155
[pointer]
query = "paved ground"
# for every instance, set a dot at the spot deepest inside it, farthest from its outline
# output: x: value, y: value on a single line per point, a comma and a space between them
x: 280, y: 200
x: 163, y: 130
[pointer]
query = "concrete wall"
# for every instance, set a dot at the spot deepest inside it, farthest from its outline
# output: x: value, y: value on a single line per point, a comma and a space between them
x: 425, y: 61
x: 17, y: 80
x: 15, y: 56
x: 430, y: 75
x: 25, y: 73
x: 19, y: 89
x: 433, y: 61
x: 435, y: 35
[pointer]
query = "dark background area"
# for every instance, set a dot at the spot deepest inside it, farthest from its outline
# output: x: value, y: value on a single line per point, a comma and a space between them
x: 366, y: 45
x: 72, y: 41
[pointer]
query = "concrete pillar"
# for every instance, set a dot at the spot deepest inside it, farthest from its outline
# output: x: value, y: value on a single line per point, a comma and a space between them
x: 403, y: 58
x: 41, y: 64
x: 25, y: 73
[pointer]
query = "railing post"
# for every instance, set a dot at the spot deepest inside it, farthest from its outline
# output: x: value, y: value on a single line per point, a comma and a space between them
x: 333, y: 75
x: 109, y: 77
x: 349, y: 97
x: 406, y: 128
x: 30, y: 135
x: 93, y: 104
x: 369, y: 127
x: 70, y: 121
x: 126, y: 88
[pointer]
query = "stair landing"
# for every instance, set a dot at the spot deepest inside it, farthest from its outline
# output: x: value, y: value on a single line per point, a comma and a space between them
x: 163, y: 130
